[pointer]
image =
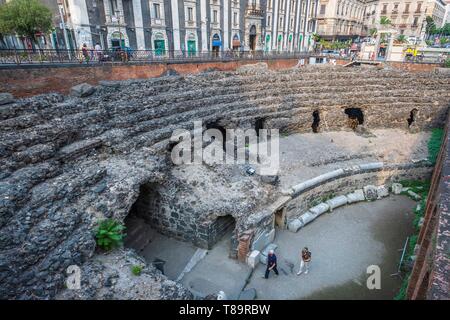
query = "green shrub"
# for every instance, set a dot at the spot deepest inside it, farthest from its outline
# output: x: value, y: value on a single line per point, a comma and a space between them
x: 109, y: 234
x: 434, y: 144
x: 401, y: 295
x: 136, y: 270
x: 447, y: 63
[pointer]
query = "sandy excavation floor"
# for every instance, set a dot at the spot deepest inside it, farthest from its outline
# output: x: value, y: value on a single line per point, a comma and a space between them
x: 303, y: 156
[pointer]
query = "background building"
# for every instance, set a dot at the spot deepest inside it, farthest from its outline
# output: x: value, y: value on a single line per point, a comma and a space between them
x: 341, y: 19
x: 187, y: 26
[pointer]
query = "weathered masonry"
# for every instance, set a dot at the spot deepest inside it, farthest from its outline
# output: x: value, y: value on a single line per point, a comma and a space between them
x: 67, y: 162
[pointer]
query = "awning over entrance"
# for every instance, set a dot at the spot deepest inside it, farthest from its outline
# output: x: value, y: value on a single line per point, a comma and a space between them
x: 216, y: 42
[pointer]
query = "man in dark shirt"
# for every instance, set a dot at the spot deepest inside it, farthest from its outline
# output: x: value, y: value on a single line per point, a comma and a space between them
x: 271, y: 264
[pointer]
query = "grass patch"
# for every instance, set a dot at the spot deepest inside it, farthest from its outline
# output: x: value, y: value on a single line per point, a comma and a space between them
x: 136, y: 270
x: 109, y: 234
x: 420, y: 187
x: 434, y: 144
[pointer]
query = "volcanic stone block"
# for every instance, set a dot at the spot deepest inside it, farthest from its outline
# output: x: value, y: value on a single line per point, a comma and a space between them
x: 356, y: 196
x: 82, y: 90
x: 263, y: 239
x: 396, y: 188
x: 111, y: 84
x: 414, y: 195
x: 370, y: 192
x: 320, y: 208
x: 307, y: 217
x: 294, y: 225
x: 337, y: 202
x: 371, y: 166
x: 317, y: 180
x: 382, y: 191
x: 253, y: 258
x: 6, y: 98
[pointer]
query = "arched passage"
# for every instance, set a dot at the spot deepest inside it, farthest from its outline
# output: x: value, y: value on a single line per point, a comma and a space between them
x: 259, y: 124
x: 252, y: 38
x: 412, y: 117
x: 223, y: 131
x: 355, y: 116
x: 316, y: 121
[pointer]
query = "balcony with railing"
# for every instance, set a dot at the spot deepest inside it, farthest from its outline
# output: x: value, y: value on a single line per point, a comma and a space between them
x: 254, y: 11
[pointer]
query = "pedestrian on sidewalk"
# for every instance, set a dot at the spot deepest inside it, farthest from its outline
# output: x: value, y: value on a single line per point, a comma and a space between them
x: 305, y: 259
x: 271, y: 264
x: 85, y: 52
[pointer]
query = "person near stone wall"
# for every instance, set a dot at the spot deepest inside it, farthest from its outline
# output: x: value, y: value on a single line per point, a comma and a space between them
x: 305, y: 259
x: 271, y: 264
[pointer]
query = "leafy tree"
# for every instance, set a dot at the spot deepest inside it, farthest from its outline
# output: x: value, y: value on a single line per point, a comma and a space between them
x: 373, y: 32
x: 430, y: 27
x: 385, y: 21
x: 445, y: 30
x: 109, y: 234
x: 25, y: 18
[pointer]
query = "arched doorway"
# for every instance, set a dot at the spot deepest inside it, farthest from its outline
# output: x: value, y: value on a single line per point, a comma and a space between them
x: 267, y: 42
x: 280, y: 43
x: 236, y: 42
x: 159, y: 44
x: 252, y: 39
x: 216, y: 44
x: 191, y: 45
x: 117, y: 40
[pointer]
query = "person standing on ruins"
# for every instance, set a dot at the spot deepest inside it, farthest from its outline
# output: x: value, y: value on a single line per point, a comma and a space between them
x: 271, y: 264
x: 305, y: 259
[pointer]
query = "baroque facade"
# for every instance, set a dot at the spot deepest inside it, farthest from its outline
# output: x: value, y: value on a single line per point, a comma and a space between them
x: 344, y: 19
x: 194, y: 26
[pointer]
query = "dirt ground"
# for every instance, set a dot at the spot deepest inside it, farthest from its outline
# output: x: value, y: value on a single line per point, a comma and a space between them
x: 304, y: 156
x: 343, y: 244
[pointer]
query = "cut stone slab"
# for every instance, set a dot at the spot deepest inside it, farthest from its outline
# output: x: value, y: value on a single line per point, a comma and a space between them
x: 370, y: 192
x: 111, y: 84
x: 6, y: 98
x: 248, y: 294
x: 319, y: 209
x: 270, y: 179
x: 356, y: 196
x: 414, y: 195
x: 82, y: 90
x: 396, y: 188
x: 382, y: 191
x: 263, y: 239
x: 307, y: 217
x: 295, y: 225
x: 253, y: 258
x: 337, y: 202
x: 265, y: 252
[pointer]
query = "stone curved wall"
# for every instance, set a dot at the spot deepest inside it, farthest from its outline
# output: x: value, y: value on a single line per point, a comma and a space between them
x: 67, y: 161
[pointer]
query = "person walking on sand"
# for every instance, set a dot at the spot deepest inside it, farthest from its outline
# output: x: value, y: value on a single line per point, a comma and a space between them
x: 305, y: 259
x: 271, y: 264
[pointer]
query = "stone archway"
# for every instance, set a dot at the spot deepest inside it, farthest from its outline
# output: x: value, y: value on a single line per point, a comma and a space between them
x: 252, y: 38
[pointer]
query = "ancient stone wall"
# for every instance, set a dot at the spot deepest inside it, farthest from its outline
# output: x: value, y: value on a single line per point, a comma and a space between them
x: 430, y: 277
x: 67, y: 162
x: 351, y: 182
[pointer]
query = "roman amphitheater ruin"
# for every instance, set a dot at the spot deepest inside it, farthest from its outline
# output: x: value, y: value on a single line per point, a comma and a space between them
x: 69, y: 161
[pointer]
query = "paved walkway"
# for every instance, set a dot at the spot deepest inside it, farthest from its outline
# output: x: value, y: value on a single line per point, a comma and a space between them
x: 217, y: 272
x: 343, y: 244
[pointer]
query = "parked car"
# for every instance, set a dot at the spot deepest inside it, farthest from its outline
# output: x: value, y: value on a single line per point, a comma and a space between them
x: 334, y: 53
